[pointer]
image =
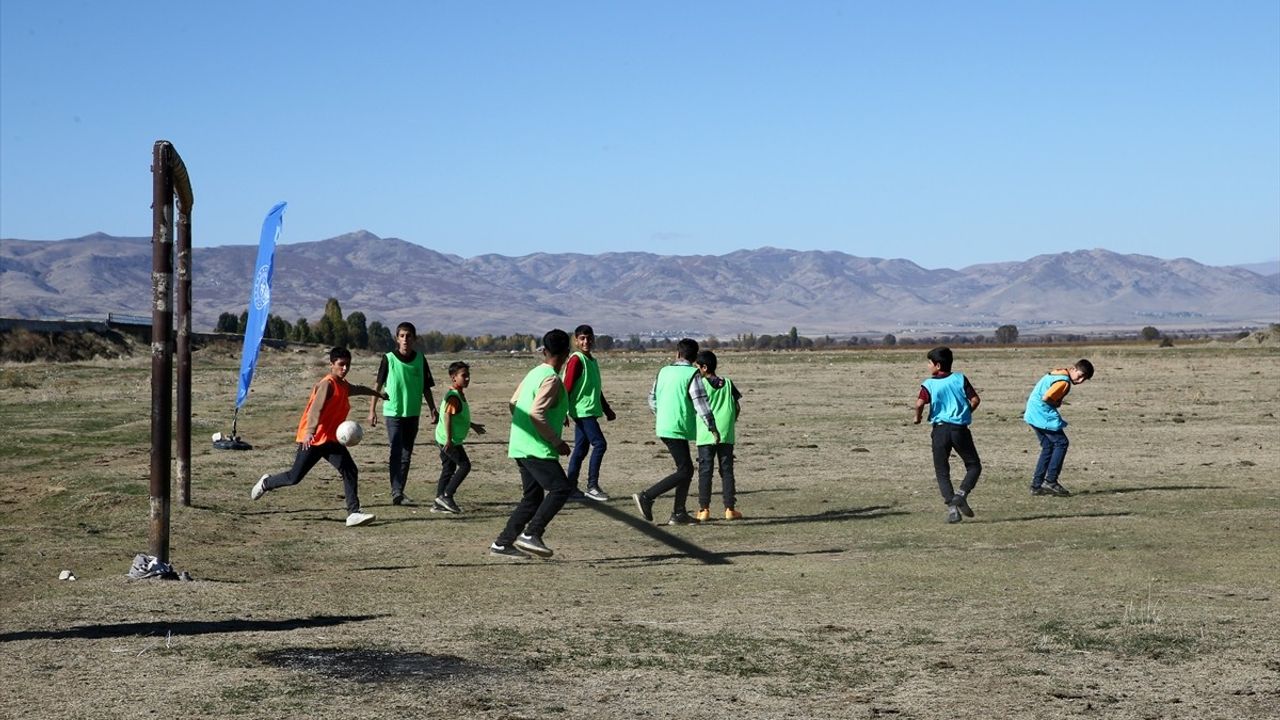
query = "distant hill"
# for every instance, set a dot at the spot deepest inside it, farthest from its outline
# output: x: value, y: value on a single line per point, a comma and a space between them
x: 763, y: 291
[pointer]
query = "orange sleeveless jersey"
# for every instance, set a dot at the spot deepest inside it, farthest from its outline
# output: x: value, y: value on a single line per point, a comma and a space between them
x: 335, y: 410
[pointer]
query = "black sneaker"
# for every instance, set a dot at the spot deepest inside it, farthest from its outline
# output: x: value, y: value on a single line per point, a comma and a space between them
x: 953, y: 514
x: 962, y: 504
x: 446, y: 504
x: 1040, y: 490
x: 644, y: 505
x: 533, y: 544
x: 506, y: 551
x: 400, y: 500
x: 1057, y: 490
x: 682, y: 518
x: 576, y: 495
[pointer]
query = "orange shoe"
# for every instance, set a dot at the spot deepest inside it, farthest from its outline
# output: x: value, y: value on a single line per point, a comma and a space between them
x: 702, y: 515
x: 731, y: 514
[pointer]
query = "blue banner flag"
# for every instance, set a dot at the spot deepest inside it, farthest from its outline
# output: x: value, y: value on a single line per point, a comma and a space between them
x: 259, y: 298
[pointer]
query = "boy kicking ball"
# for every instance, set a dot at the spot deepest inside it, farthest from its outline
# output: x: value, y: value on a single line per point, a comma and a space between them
x: 317, y: 437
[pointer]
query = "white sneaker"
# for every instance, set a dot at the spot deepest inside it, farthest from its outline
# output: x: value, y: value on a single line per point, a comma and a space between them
x: 359, y: 518
x: 259, y: 488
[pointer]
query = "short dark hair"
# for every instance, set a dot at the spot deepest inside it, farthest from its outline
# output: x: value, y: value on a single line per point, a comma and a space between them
x: 583, y: 330
x: 708, y: 358
x: 339, y: 353
x: 942, y: 357
x: 457, y: 365
x: 1085, y: 367
x: 407, y: 326
x: 687, y: 348
x: 556, y: 342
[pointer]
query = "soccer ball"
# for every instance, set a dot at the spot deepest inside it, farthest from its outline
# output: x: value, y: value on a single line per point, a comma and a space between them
x: 350, y: 433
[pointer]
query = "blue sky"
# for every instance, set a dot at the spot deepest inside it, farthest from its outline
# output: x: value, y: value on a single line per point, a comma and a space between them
x: 942, y: 132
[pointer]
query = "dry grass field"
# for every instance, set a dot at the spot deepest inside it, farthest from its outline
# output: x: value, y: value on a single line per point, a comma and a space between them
x: 1154, y: 592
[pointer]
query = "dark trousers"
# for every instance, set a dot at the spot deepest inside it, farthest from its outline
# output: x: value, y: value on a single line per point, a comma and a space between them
x: 947, y: 437
x: 586, y: 436
x: 454, y: 466
x: 307, y: 457
x: 1053, y: 450
x: 707, y: 455
x: 402, y: 432
x: 679, y: 479
x: 545, y: 491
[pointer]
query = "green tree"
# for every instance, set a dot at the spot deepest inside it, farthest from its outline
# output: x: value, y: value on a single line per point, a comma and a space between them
x: 357, y: 333
x: 227, y: 323
x: 380, y: 339
x: 277, y: 328
x: 332, y: 328
x: 1007, y: 334
x: 793, y: 337
x: 302, y: 332
x: 243, y: 323
x: 453, y: 343
x: 604, y: 342
x: 890, y: 340
x: 1149, y: 333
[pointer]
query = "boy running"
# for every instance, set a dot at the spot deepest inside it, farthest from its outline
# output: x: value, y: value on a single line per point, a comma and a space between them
x: 451, y: 431
x: 951, y: 400
x: 538, y: 411
x: 327, y: 408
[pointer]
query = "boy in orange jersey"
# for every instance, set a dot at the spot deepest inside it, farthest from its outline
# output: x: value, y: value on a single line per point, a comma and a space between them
x: 327, y: 408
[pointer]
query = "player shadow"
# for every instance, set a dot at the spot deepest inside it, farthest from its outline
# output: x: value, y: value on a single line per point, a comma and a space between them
x: 1062, y: 516
x: 183, y: 627
x: 873, y: 512
x: 731, y: 554
x: 1150, y: 488
x: 682, y: 546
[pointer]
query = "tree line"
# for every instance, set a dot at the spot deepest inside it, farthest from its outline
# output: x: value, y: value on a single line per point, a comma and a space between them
x: 354, y: 332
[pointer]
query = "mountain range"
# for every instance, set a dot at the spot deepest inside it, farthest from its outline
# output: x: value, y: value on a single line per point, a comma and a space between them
x: 766, y: 290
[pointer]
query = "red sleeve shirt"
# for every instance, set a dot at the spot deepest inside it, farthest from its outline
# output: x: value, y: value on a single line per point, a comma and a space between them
x: 572, y: 369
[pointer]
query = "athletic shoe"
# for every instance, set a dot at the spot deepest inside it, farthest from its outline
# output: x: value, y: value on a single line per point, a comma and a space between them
x: 401, y: 500
x: 446, y: 504
x: 506, y: 551
x: 1040, y: 490
x: 533, y: 544
x: 259, y: 488
x: 953, y: 514
x: 644, y: 505
x: 681, y: 517
x: 359, y: 518
x: 731, y: 514
x: 1057, y: 489
x: 595, y: 493
x: 962, y: 504
x: 576, y: 495
x: 702, y: 515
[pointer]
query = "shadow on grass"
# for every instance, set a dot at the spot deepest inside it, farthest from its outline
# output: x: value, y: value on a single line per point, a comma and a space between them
x: 867, y: 513
x: 1151, y: 488
x: 675, y: 542
x: 731, y: 554
x: 1063, y: 516
x: 187, y: 627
